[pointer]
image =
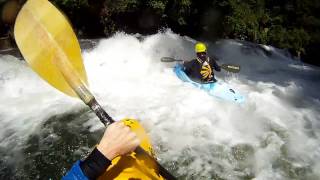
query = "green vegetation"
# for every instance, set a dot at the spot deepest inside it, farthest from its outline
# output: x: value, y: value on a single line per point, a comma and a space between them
x: 291, y: 24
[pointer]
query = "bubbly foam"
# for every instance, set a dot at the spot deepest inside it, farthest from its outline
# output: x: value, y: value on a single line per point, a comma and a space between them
x: 274, y: 135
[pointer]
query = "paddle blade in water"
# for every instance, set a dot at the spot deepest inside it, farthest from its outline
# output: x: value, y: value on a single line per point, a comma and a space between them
x: 169, y: 59
x: 47, y: 42
x: 231, y: 68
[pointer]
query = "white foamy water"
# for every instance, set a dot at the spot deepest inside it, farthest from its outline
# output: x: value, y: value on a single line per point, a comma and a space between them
x: 273, y: 135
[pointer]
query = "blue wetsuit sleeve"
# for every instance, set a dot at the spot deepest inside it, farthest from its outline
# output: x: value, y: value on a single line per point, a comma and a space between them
x: 91, y: 168
x: 75, y: 173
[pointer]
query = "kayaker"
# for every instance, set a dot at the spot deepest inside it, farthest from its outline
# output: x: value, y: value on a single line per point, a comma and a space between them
x: 117, y: 140
x: 202, y: 68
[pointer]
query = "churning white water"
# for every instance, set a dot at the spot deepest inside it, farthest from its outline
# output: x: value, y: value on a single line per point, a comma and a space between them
x: 275, y: 134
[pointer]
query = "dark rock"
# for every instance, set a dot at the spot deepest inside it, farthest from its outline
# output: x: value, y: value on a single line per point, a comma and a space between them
x: 312, y: 54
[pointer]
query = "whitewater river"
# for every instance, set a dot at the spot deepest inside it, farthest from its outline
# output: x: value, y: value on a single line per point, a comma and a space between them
x: 275, y: 134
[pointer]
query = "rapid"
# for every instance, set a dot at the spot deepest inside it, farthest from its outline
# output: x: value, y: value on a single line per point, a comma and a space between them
x: 275, y: 134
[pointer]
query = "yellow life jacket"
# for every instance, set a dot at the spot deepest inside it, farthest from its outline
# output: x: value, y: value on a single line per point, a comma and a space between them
x: 206, y: 70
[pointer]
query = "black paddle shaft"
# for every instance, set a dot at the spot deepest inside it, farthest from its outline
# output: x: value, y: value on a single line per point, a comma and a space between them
x: 107, y: 120
x: 100, y: 112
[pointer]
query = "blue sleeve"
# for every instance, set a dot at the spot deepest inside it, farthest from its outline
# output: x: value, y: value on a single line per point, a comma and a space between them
x: 215, y: 64
x: 75, y: 173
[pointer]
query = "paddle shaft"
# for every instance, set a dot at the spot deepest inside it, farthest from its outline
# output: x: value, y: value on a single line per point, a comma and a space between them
x: 107, y: 120
x: 227, y: 67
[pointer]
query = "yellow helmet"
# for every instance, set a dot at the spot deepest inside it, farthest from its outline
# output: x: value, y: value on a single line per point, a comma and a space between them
x: 200, y: 47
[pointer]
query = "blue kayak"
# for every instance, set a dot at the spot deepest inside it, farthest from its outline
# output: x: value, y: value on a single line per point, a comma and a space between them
x: 216, y: 89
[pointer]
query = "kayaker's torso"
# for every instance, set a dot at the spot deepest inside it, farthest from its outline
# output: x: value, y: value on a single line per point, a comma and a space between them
x: 201, y: 71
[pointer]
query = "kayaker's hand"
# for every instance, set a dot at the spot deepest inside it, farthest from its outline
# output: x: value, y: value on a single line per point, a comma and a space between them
x: 118, y: 140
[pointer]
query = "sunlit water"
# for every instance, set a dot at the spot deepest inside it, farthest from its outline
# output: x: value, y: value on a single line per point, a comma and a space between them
x: 275, y: 134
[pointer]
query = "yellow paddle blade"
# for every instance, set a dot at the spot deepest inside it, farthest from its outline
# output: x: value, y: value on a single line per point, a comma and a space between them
x: 49, y: 45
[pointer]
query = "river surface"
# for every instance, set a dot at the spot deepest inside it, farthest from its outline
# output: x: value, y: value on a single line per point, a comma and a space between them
x: 275, y: 134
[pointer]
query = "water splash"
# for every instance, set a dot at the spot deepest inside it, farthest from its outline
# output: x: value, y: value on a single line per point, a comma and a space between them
x: 274, y: 135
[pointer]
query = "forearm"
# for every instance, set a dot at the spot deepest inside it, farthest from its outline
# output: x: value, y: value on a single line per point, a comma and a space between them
x: 117, y: 140
x: 95, y: 164
x: 91, y: 168
x: 216, y: 65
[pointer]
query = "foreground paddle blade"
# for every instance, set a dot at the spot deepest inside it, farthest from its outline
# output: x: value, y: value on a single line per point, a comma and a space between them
x: 47, y: 42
